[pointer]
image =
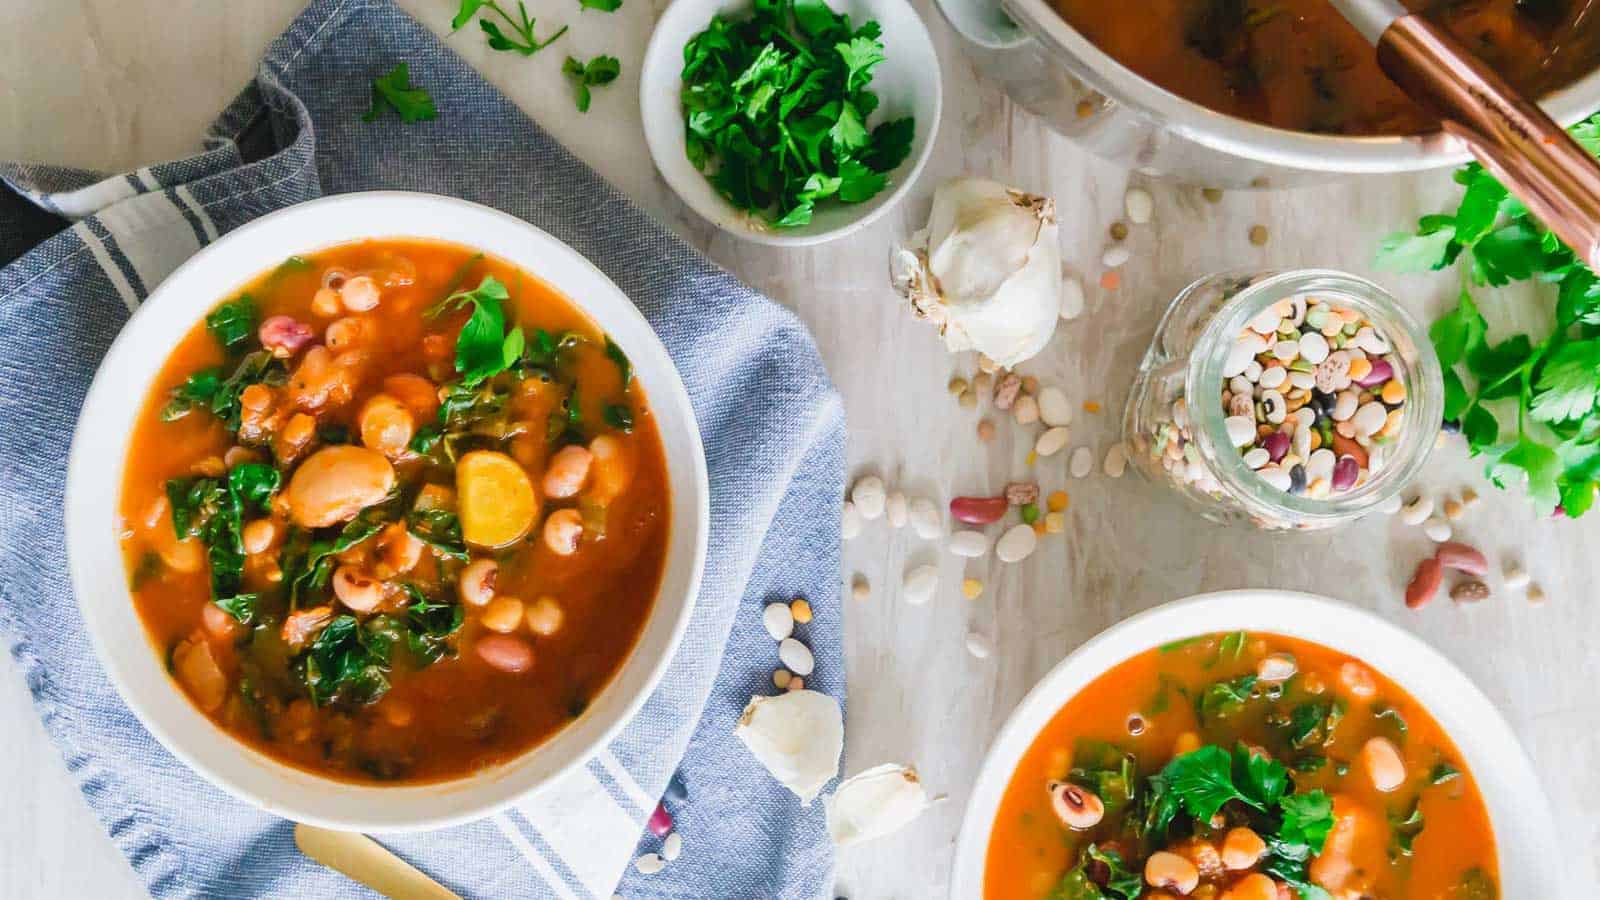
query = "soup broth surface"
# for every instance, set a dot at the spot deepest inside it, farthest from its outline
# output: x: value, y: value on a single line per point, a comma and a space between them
x: 1298, y: 64
x: 455, y: 615
x: 1197, y: 719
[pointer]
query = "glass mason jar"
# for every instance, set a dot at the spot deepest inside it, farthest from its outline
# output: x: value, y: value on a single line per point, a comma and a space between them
x: 1177, y: 430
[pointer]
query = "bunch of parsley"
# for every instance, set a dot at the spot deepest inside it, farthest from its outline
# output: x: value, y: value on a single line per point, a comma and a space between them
x: 1553, y: 385
x: 775, y: 110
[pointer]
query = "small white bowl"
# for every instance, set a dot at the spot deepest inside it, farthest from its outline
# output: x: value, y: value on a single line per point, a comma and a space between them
x: 1525, y: 839
x: 906, y: 82
x: 94, y: 486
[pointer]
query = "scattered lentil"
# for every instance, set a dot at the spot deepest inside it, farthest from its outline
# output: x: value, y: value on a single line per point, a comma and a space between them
x: 957, y: 386
x: 800, y: 608
x: 1119, y: 231
x: 1110, y: 280
x: 860, y: 589
x: 1535, y: 595
x: 780, y: 678
x: 1258, y: 235
x: 1055, y: 522
x: 985, y: 430
x: 1090, y: 406
x: 1057, y: 501
x: 1212, y: 195
x: 971, y: 588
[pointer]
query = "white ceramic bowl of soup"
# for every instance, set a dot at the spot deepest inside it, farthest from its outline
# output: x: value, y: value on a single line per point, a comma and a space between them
x: 907, y: 84
x: 94, y: 485
x: 1529, y: 851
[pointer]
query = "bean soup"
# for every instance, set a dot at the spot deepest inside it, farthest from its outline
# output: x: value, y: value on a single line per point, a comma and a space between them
x: 1241, y: 767
x: 1298, y: 64
x: 395, y: 512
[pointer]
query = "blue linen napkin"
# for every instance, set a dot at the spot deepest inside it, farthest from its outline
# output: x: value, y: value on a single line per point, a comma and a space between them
x: 80, y: 250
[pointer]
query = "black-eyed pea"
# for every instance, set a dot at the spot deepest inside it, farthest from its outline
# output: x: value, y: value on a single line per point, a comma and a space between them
x: 476, y: 584
x: 611, y: 469
x: 347, y: 333
x: 545, y: 616
x: 568, y: 469
x: 398, y: 548
x: 503, y: 614
x: 1242, y: 848
x: 1358, y: 680
x: 1383, y: 764
x: 1171, y: 872
x: 562, y: 531
x: 357, y: 590
x: 1076, y: 807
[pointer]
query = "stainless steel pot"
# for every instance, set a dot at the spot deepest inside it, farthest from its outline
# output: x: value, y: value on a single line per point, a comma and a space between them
x: 1049, y: 68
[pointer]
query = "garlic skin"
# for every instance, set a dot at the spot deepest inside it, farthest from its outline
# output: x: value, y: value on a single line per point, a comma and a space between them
x: 879, y: 801
x: 986, y: 270
x: 798, y: 736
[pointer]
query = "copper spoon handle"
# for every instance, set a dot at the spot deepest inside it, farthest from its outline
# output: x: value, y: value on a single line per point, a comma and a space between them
x: 1532, y: 155
x: 366, y: 861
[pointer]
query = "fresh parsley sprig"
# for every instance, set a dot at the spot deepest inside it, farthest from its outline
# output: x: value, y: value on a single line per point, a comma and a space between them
x: 525, y: 41
x: 775, y: 110
x: 394, y: 91
x: 1550, y: 389
x: 601, y: 70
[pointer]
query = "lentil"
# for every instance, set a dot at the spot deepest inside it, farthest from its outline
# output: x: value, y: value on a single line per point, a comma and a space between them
x: 780, y: 678
x: 859, y: 588
x: 800, y: 609
x: 971, y: 588
x: 1057, y: 501
x: 985, y: 430
x: 1258, y: 235
x: 957, y: 386
x: 1055, y: 523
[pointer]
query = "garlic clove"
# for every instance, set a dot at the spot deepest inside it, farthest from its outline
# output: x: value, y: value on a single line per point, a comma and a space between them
x: 798, y: 736
x: 879, y: 801
x: 989, y: 271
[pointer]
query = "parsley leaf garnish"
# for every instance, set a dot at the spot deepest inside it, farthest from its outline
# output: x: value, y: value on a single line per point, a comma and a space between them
x: 596, y: 72
x: 524, y: 42
x: 484, y: 348
x: 1545, y: 435
x: 395, y: 91
x: 776, y: 111
x: 602, y: 5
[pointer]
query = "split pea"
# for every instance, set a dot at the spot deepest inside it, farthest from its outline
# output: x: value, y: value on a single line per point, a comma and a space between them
x: 801, y: 610
x: 972, y: 588
x: 1057, y: 501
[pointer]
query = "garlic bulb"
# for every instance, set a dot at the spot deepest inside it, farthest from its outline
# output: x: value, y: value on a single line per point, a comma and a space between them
x: 986, y: 270
x: 798, y: 736
x: 879, y: 801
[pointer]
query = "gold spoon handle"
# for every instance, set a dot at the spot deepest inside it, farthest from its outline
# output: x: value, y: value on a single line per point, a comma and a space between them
x: 1532, y: 155
x: 365, y: 860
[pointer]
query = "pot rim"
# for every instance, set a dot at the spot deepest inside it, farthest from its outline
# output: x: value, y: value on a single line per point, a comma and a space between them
x: 1251, y: 140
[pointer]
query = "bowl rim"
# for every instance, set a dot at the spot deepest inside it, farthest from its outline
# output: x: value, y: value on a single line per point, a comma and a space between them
x: 1307, y: 151
x: 1478, y: 729
x: 662, y: 121
x: 90, y: 512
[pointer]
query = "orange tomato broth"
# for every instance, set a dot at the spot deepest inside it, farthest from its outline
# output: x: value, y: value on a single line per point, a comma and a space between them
x: 1030, y: 850
x: 458, y: 715
x: 1299, y: 64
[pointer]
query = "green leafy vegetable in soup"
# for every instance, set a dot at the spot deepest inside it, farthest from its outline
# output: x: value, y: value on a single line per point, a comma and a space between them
x: 776, y: 110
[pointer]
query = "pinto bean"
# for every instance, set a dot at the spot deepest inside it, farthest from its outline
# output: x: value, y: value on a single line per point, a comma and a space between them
x: 337, y: 482
x: 1171, y: 871
x: 196, y: 668
x: 562, y: 531
x: 506, y: 653
x: 1242, y: 848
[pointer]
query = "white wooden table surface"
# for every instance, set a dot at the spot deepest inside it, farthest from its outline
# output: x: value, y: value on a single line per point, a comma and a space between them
x: 112, y: 84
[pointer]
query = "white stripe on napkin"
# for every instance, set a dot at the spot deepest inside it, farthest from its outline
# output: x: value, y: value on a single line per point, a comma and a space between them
x: 199, y: 211
x: 551, y: 879
x: 585, y: 827
x: 113, y: 273
x: 90, y: 200
x: 152, y: 234
x: 147, y: 178
x: 625, y: 781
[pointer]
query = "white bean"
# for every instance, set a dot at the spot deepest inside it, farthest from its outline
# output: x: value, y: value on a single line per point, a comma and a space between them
x: 1082, y: 462
x: 1116, y: 461
x: 1071, y: 297
x: 869, y: 496
x: 1051, y: 442
x: 1417, y: 511
x: 796, y: 657
x: 1054, y: 410
x: 971, y: 544
x: 898, y: 512
x: 1139, y: 204
x: 649, y: 864
x: 778, y: 620
x: 672, y: 846
x: 925, y: 518
x: 920, y: 584
x: 1437, y: 530
x: 979, y: 646
x: 1017, y: 544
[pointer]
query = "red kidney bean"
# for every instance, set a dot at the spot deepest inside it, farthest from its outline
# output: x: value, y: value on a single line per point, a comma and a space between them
x: 1276, y: 445
x: 1345, y: 473
x: 506, y: 653
x: 1381, y: 372
x: 284, y: 336
x: 1424, y: 584
x: 978, y: 510
x: 1462, y: 557
x: 660, y: 823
